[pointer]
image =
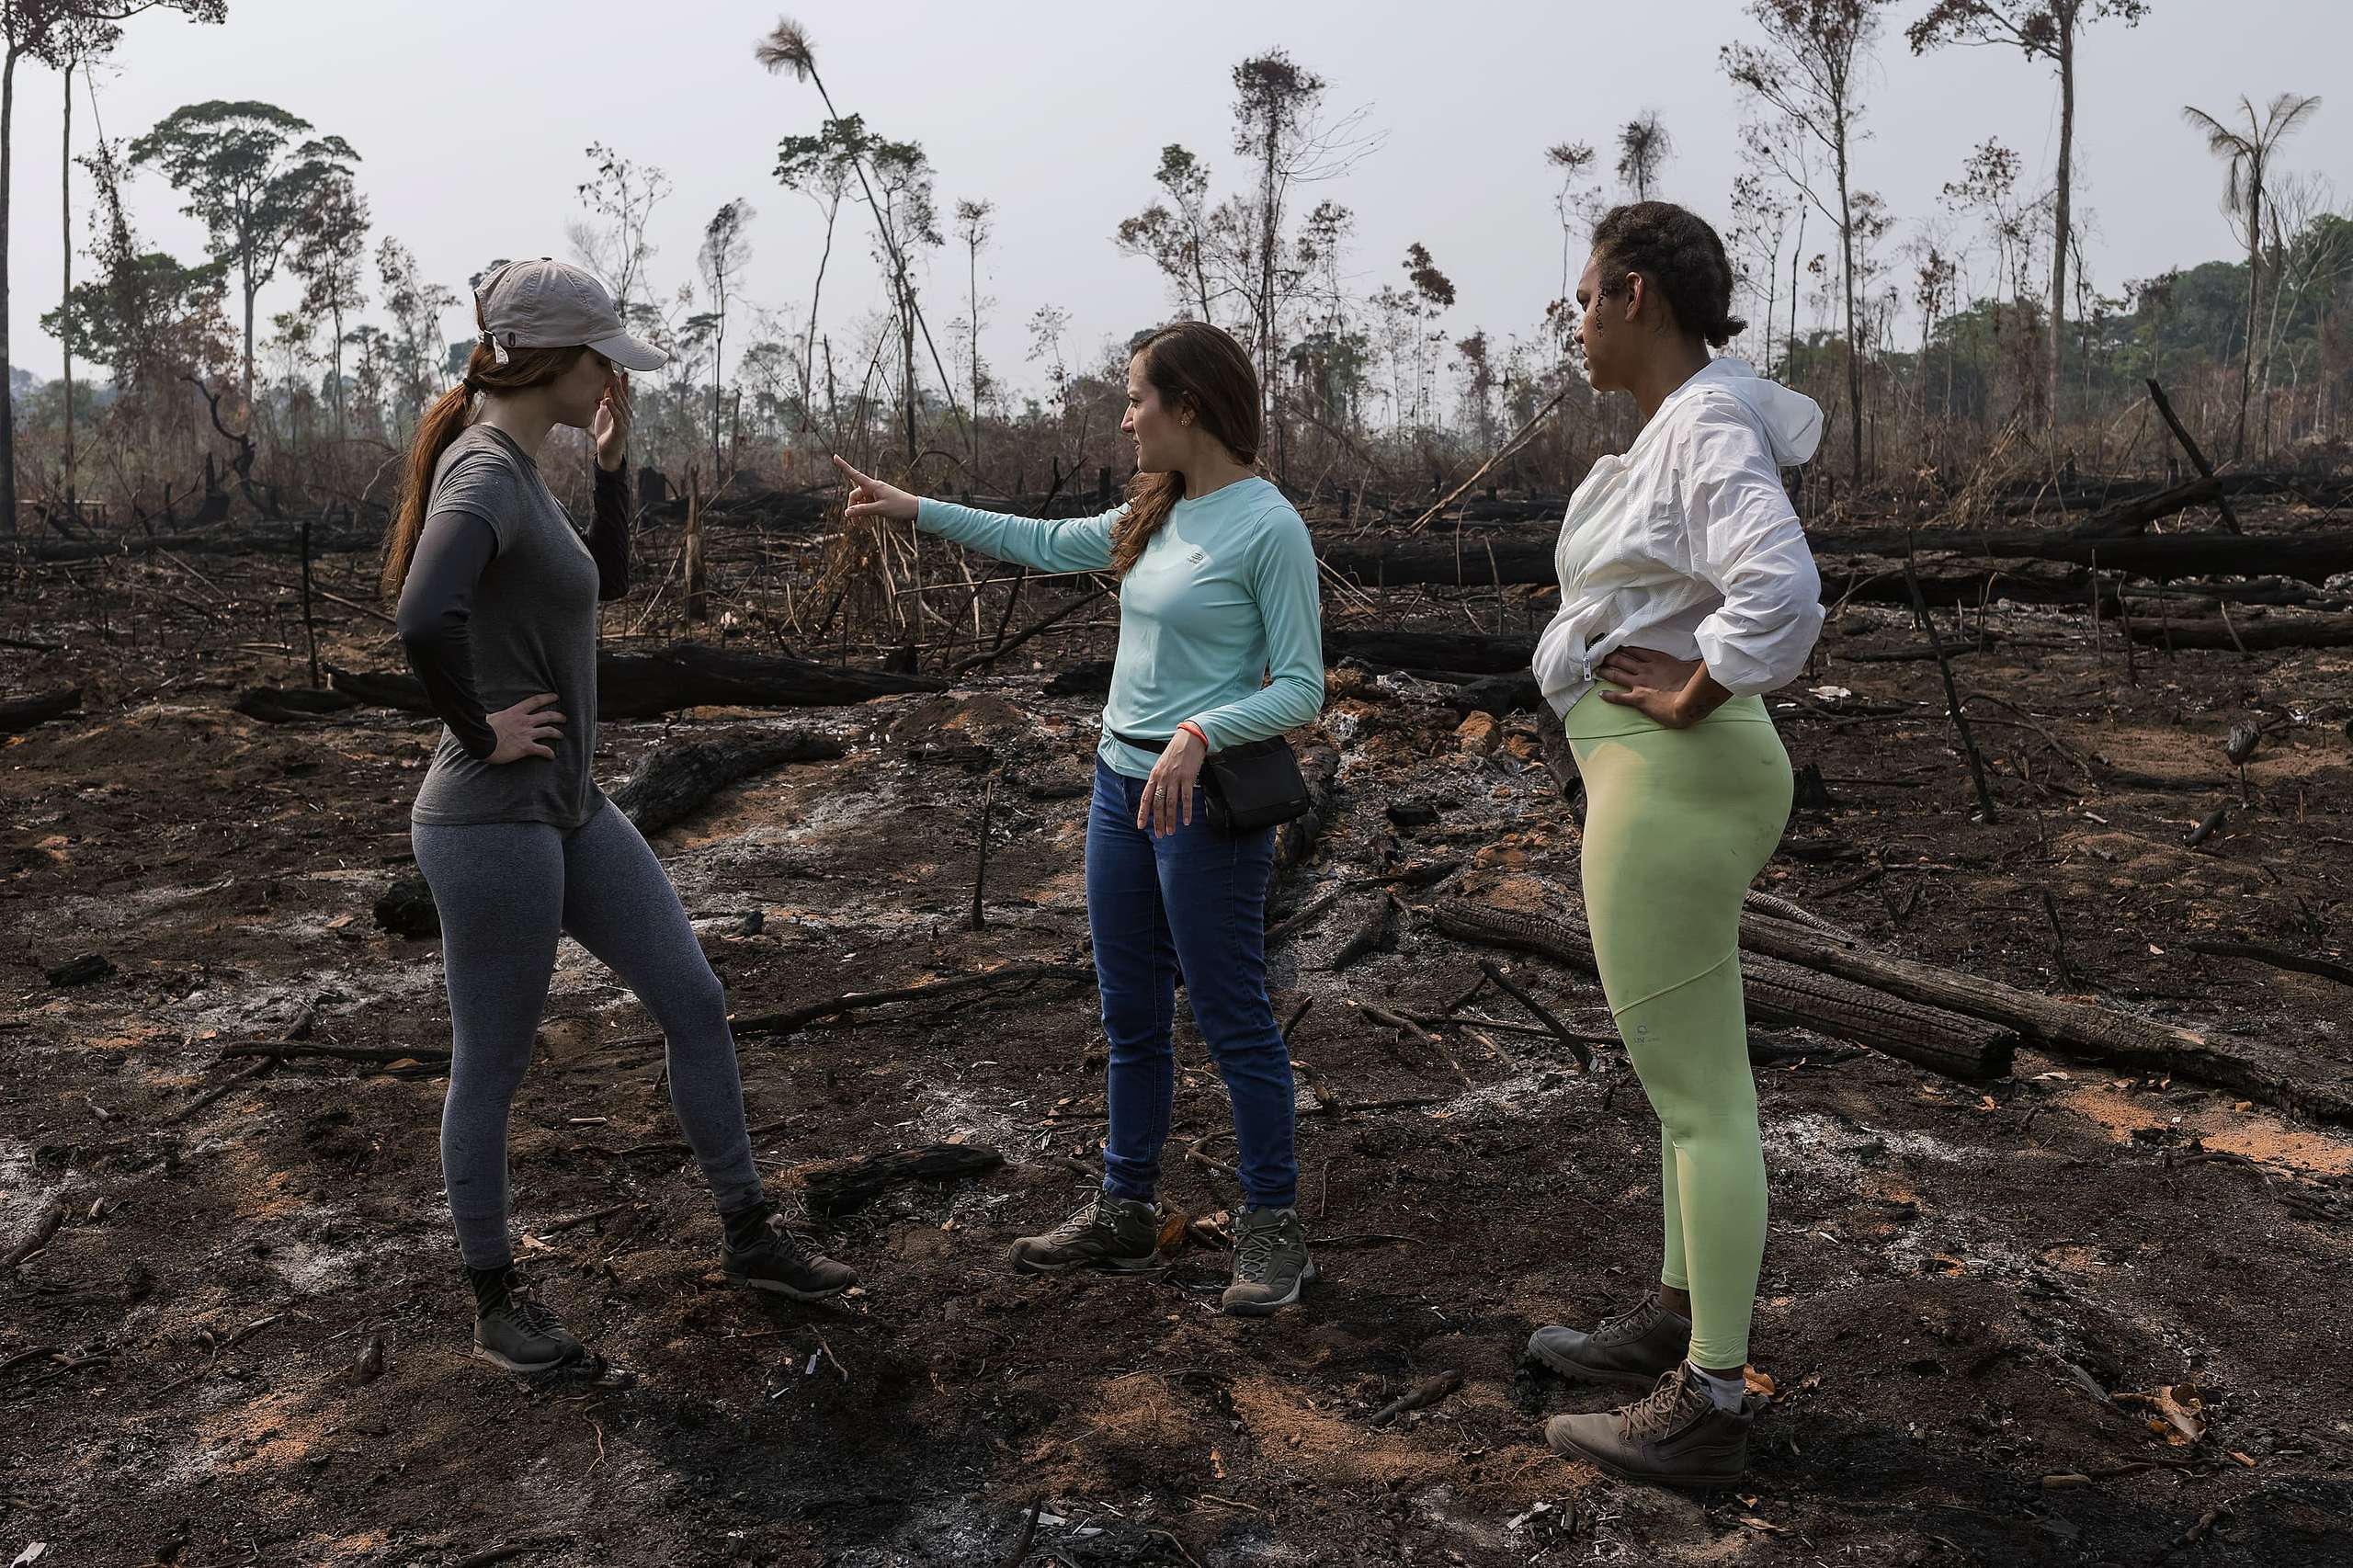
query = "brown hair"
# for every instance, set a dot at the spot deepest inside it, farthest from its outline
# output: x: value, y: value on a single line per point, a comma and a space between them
x: 451, y: 412
x: 1198, y: 367
x: 1681, y: 254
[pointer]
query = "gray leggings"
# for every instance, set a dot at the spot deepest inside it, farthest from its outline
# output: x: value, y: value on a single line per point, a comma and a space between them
x: 505, y: 892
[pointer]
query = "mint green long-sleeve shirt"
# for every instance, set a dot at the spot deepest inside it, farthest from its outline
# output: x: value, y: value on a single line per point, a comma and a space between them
x: 1220, y: 622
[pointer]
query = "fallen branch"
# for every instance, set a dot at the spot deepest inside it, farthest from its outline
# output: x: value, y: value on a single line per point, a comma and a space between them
x: 2326, y: 969
x: 836, y: 1190
x: 1561, y: 1031
x: 261, y: 1069
x: 45, y: 1225
x: 1511, y: 444
x: 1421, y: 1396
x: 288, y: 1051
x: 792, y: 1018
x: 2190, y: 445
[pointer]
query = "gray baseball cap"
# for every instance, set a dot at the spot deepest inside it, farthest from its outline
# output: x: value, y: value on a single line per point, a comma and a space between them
x: 544, y: 303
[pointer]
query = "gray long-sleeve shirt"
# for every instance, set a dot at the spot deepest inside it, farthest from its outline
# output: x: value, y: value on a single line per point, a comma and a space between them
x: 500, y: 605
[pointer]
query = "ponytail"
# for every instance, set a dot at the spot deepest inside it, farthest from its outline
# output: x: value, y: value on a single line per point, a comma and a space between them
x: 522, y: 369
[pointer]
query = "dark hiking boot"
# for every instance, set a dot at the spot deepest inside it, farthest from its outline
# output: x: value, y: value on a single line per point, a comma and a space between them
x: 1119, y: 1233
x: 1270, y: 1262
x: 1674, y: 1437
x: 1634, y: 1349
x: 515, y: 1329
x: 761, y: 1254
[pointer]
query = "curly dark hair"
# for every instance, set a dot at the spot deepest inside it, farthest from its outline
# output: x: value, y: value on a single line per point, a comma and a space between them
x: 1683, y: 257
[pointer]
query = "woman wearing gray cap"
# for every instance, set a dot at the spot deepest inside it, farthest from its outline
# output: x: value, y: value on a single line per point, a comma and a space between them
x: 498, y: 596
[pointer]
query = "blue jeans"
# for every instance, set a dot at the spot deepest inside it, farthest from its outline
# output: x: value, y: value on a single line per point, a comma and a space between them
x: 1193, y: 903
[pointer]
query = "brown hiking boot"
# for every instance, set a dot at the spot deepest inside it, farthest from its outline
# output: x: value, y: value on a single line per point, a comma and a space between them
x: 1676, y: 1436
x: 1633, y: 1349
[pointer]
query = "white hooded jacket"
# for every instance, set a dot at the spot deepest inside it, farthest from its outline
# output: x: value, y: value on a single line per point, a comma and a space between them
x: 1688, y: 543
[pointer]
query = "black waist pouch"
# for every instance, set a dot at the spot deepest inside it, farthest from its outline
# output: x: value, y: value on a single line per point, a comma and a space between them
x: 1255, y: 785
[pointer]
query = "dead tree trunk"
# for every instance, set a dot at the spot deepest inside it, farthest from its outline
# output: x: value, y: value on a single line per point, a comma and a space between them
x: 2279, y: 1077
x: 687, y: 674
x: 1782, y: 996
x: 2303, y: 631
x: 679, y: 775
x: 21, y: 713
x: 698, y: 597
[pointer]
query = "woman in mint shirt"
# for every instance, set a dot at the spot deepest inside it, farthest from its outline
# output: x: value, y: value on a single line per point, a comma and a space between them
x: 1220, y: 641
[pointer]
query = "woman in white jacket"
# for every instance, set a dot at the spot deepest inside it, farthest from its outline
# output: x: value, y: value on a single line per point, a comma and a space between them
x: 1687, y: 590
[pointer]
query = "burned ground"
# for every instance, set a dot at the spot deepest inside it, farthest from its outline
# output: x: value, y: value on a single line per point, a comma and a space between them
x: 2064, y: 1316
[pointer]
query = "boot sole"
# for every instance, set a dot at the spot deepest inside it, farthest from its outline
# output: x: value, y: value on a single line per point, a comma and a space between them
x: 1267, y: 1309
x: 777, y: 1288
x: 1620, y: 1473
x: 526, y: 1368
x: 1629, y: 1380
x: 1107, y: 1264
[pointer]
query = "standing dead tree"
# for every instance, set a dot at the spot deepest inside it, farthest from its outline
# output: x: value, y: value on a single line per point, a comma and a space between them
x: 820, y: 167
x: 1807, y: 72
x: 787, y: 49
x: 2248, y: 155
x: 972, y: 226
x: 2043, y: 29
x: 1643, y: 147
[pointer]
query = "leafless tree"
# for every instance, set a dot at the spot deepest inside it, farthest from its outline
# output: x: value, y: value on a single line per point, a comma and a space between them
x: 1643, y: 147
x: 1578, y: 208
x: 787, y: 50
x: 1807, y: 72
x: 972, y: 226
x: 725, y: 253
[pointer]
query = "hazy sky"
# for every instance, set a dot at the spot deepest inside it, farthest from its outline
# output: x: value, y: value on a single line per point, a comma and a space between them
x: 472, y: 116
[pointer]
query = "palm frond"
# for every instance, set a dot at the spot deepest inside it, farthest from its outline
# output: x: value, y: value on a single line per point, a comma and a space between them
x: 787, y: 48
x: 2284, y: 112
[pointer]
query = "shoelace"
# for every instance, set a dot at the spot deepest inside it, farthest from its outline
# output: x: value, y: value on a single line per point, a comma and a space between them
x: 1655, y: 1411
x: 527, y: 1310
x: 1080, y: 1224
x: 1628, y: 1324
x: 1256, y: 1250
x: 773, y: 1233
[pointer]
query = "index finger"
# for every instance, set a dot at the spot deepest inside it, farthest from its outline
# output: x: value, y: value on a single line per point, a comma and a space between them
x: 855, y: 477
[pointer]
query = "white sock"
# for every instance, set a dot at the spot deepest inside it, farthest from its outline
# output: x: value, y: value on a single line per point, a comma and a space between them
x: 1727, y: 1392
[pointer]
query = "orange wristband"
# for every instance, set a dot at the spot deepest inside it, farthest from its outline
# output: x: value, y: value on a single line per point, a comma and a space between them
x: 1195, y: 730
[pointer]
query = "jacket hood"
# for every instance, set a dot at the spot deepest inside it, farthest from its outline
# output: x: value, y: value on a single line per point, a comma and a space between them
x: 1791, y: 421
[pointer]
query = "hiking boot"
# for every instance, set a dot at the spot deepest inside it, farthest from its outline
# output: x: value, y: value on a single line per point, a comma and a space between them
x: 1270, y: 1262
x: 1676, y: 1436
x: 515, y: 1329
x: 1121, y: 1234
x: 771, y: 1258
x: 1634, y: 1348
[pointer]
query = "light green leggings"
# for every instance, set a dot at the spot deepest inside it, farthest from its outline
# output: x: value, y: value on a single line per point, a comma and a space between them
x: 1677, y: 825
